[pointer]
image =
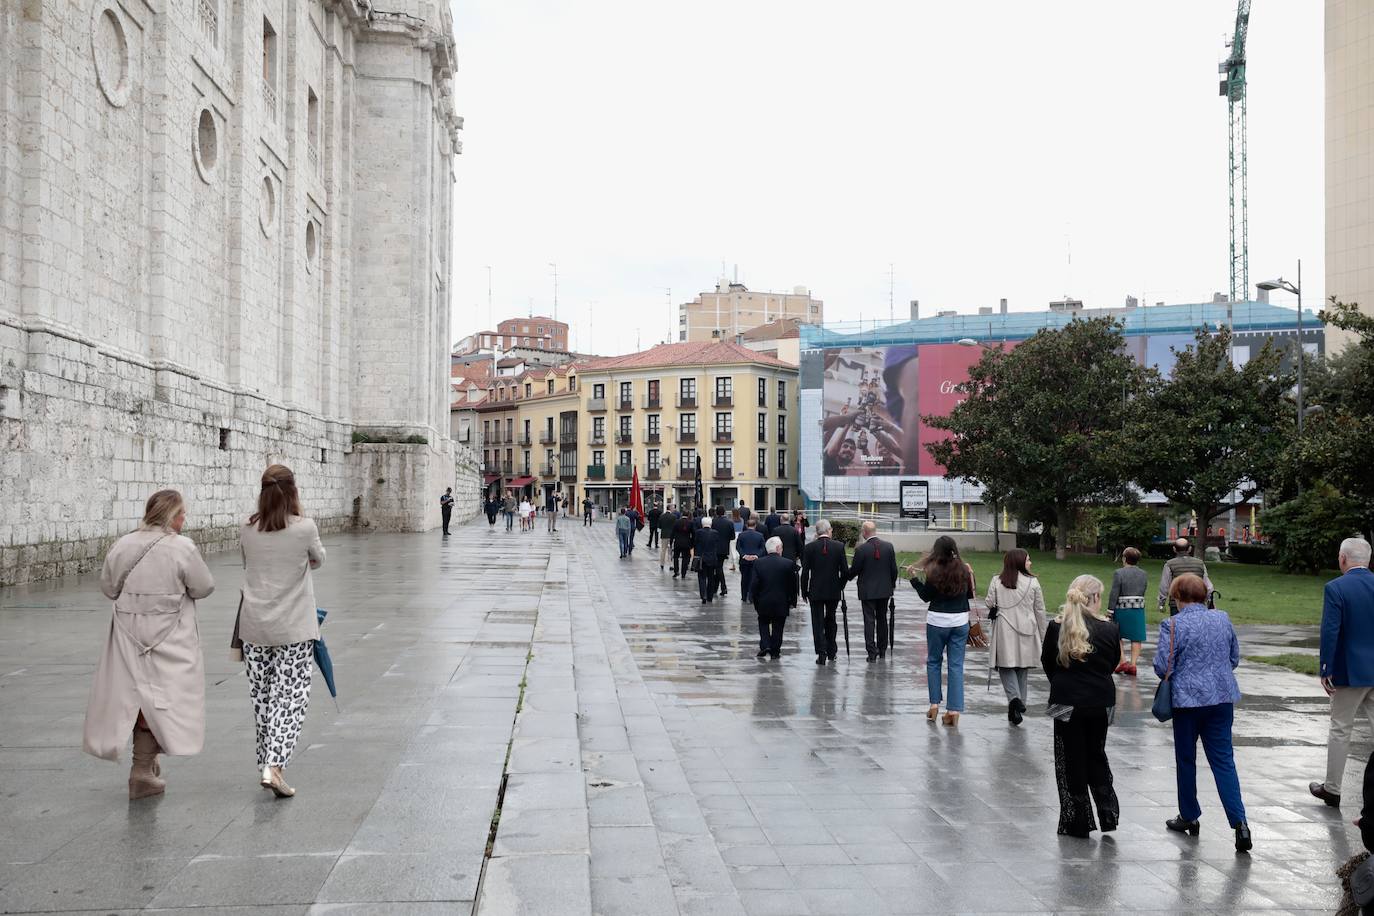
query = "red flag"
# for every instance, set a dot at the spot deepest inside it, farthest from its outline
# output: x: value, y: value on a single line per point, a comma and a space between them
x: 636, y: 495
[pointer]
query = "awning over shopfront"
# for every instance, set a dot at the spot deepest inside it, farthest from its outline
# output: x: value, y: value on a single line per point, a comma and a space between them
x: 521, y: 481
x: 492, y: 478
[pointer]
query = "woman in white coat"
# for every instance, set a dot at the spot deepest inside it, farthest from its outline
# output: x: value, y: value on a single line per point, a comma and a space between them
x: 277, y: 624
x: 1016, y: 606
x: 151, y: 676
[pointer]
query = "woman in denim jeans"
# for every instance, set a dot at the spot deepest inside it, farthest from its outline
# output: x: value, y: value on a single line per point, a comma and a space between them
x: 948, y: 586
x: 1199, y: 650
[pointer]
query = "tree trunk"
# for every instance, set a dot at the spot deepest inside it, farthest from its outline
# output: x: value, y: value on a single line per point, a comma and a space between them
x: 1063, y: 520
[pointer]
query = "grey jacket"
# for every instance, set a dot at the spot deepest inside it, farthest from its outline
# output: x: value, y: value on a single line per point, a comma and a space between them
x: 278, y: 605
x: 1127, y: 582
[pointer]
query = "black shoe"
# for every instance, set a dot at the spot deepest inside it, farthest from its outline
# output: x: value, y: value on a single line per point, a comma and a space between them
x: 1014, y: 714
x: 872, y: 657
x: 831, y: 656
x: 882, y: 653
x: 762, y: 653
x: 820, y: 659
x: 1019, y: 704
x: 775, y: 655
x: 1243, y: 841
x: 1179, y: 825
x: 1319, y: 790
x: 703, y: 600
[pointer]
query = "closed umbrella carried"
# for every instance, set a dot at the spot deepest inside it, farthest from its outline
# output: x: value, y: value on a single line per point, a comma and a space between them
x: 323, y: 662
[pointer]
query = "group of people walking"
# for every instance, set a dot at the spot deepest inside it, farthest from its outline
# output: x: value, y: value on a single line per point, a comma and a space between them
x: 150, y: 679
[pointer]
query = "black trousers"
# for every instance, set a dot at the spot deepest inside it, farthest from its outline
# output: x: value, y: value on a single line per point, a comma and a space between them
x: 876, y: 637
x: 708, y: 577
x: 722, y: 559
x: 1081, y: 772
x: 823, y: 626
x: 586, y: 517
x: 653, y: 536
x: 746, y: 576
x: 447, y: 512
x: 682, y: 561
x: 770, y: 633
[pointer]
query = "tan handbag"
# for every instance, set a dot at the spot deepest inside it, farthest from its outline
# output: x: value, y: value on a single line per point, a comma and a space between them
x: 976, y: 637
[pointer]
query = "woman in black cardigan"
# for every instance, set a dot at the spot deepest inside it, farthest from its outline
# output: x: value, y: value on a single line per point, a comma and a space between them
x: 1080, y: 652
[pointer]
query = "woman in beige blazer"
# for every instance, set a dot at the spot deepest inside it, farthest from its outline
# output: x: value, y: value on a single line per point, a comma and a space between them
x: 151, y: 676
x: 277, y: 622
x: 1018, y: 629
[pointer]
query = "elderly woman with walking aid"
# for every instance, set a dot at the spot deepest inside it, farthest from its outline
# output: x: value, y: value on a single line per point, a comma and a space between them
x: 277, y: 624
x: 1198, y: 653
x: 151, y: 676
x: 1080, y: 653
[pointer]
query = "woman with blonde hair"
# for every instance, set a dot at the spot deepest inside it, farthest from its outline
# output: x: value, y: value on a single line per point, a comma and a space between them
x: 277, y: 624
x: 1080, y: 652
x: 151, y: 676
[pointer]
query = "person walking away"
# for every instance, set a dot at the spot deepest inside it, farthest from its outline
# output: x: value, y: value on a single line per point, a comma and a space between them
x: 150, y: 679
x: 772, y: 521
x: 655, y: 515
x: 623, y: 526
x: 948, y: 587
x: 586, y: 511
x: 725, y: 536
x: 684, y: 536
x: 750, y: 546
x: 1183, y: 562
x: 1198, y: 651
x: 526, y: 514
x: 1346, y: 663
x: 791, y: 546
x: 667, y: 521
x: 875, y: 567
x: 1080, y: 652
x: 636, y: 523
x: 1016, y: 608
x: 774, y: 592
x: 277, y: 621
x: 744, y: 511
x: 508, y: 508
x: 706, y: 549
x: 446, y: 507
x: 736, y: 522
x: 824, y: 570
x: 1126, y: 604
x: 551, y: 509
x: 493, y: 505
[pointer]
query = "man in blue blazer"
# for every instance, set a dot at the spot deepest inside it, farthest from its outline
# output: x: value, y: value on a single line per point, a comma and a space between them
x: 1347, y: 659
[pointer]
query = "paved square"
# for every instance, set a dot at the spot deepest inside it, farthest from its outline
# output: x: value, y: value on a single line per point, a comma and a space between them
x: 653, y: 765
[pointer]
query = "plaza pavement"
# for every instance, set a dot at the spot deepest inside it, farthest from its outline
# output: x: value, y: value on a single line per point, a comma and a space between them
x: 654, y: 766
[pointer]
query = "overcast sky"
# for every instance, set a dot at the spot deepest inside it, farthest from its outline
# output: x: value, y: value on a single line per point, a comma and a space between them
x: 984, y: 150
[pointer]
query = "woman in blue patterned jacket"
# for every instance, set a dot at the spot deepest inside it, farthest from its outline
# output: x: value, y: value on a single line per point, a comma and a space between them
x: 1199, y: 651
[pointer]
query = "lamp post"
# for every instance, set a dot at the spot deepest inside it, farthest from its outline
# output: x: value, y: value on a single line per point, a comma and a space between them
x: 1295, y: 289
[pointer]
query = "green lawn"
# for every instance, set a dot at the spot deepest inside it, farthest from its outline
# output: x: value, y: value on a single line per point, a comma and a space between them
x: 1303, y: 664
x: 1250, y: 594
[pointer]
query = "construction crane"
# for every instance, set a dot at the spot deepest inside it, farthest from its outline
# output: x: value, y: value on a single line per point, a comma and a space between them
x: 1232, y: 70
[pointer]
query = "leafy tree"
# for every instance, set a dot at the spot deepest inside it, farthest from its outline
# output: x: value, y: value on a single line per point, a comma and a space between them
x: 1307, y: 530
x: 1119, y: 527
x: 1212, y: 429
x: 1046, y: 423
x: 1337, y: 444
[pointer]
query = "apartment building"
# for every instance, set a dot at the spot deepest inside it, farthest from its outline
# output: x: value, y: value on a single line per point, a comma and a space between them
x: 537, y: 332
x: 584, y: 428
x: 732, y: 309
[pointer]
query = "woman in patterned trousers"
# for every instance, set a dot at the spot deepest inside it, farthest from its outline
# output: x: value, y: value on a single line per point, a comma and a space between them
x: 277, y: 622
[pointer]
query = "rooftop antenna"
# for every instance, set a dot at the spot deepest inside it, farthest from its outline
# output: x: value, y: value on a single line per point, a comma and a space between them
x: 555, y: 290
x: 891, y: 316
x: 668, y: 295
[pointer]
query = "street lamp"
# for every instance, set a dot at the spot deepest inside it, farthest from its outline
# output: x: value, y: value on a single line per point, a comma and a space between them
x: 1296, y: 290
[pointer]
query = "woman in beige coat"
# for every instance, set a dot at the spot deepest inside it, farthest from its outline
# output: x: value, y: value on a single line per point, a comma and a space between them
x: 1017, y: 608
x: 277, y: 623
x: 151, y: 677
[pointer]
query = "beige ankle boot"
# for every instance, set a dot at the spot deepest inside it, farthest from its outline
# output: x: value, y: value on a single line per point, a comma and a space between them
x: 143, y: 775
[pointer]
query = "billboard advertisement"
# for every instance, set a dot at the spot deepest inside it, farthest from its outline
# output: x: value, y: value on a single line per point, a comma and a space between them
x: 874, y: 398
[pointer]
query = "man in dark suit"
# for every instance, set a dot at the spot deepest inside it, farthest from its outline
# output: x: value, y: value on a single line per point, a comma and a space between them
x: 791, y: 548
x: 744, y: 512
x: 750, y: 544
x: 666, y: 523
x: 684, y: 535
x: 725, y: 534
x: 705, y: 548
x: 654, y: 514
x: 1346, y: 662
x: 772, y: 521
x: 875, y: 566
x: 824, y: 571
x: 775, y: 593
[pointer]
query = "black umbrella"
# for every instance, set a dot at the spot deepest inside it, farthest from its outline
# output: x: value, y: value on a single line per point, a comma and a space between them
x: 844, y: 612
x: 891, y: 622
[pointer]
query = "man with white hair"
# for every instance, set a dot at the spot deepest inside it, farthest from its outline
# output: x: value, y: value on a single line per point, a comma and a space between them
x: 823, y: 574
x: 1347, y: 659
x: 774, y: 590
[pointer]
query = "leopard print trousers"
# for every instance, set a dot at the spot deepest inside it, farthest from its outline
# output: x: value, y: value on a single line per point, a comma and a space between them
x: 279, y: 684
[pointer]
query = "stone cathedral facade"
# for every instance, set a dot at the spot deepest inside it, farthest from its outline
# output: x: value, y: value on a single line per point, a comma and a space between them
x: 225, y: 240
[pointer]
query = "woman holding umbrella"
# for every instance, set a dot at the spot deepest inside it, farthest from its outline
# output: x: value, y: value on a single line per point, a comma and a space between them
x: 277, y: 620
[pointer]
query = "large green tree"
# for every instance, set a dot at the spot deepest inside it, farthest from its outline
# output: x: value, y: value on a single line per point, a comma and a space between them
x: 1048, y: 422
x: 1211, y: 430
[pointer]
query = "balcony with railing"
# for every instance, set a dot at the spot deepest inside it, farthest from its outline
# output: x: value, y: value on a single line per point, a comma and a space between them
x: 624, y: 438
x: 546, y: 437
x: 524, y: 439
x: 652, y: 474
x: 312, y: 153
x: 763, y: 472
x: 269, y: 102
x: 568, y: 472
x: 724, y: 472
x: 596, y: 405
x: 568, y: 437
x: 684, y: 473
x: 652, y: 401
x: 726, y: 399
x: 596, y: 472
x: 598, y: 439
x: 625, y: 404
x: 548, y: 470
x: 651, y: 436
x: 623, y: 472
x: 723, y: 435
x: 686, y: 400
x: 687, y: 437
x: 507, y: 468
x: 207, y: 18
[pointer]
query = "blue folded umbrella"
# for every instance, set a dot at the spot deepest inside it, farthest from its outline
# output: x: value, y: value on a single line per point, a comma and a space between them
x: 322, y: 660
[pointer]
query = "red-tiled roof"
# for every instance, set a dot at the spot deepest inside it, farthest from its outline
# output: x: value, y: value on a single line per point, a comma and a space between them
x: 691, y: 353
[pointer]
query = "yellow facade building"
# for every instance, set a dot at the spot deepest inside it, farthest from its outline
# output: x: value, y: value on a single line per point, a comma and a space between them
x: 583, y: 429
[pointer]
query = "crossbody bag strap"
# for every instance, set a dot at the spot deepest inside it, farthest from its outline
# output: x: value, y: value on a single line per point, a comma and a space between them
x: 114, y: 613
x: 1170, y: 669
x: 147, y: 550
